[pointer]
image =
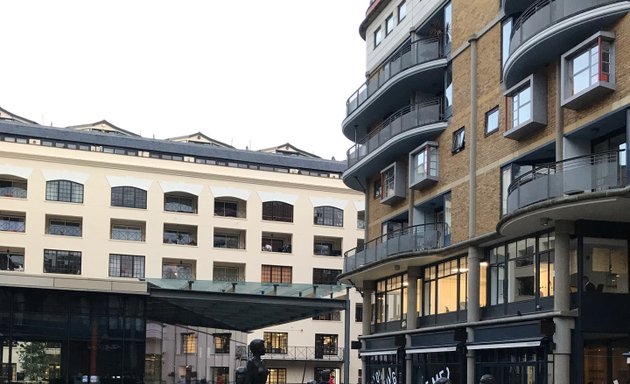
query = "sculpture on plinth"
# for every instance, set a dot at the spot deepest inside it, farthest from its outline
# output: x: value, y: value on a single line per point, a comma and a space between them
x: 255, y: 372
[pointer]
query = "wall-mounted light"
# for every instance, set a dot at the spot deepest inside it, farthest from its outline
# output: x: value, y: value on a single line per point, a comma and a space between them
x: 545, y: 221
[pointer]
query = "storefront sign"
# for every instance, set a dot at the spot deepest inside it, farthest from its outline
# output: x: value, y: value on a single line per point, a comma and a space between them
x: 443, y: 373
x: 382, y: 377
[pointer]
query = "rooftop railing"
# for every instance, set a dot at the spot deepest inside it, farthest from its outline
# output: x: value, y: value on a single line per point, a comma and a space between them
x: 409, y: 117
x: 583, y: 174
x: 544, y: 13
x: 411, y: 239
x: 416, y: 53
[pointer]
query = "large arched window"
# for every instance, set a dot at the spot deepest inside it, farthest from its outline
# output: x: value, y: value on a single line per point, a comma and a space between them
x: 327, y: 215
x: 130, y: 197
x: 64, y: 190
x: 277, y: 211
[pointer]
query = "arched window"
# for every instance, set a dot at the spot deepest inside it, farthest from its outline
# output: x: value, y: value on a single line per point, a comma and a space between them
x: 277, y: 211
x: 130, y: 197
x: 64, y: 190
x: 327, y: 215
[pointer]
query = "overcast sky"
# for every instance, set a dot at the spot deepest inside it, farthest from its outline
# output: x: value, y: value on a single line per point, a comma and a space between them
x: 254, y: 73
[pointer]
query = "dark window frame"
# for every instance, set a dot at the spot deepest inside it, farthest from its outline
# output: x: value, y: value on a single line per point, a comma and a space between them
x: 135, y: 265
x: 62, y: 261
x: 128, y: 197
x: 278, y: 211
x: 270, y: 273
x: 328, y: 216
x: 459, y: 140
x: 64, y: 190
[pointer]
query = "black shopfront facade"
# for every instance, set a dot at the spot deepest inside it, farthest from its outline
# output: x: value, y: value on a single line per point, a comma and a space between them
x: 73, y: 337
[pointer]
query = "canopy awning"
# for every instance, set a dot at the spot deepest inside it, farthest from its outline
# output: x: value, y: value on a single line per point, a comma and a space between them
x: 238, y: 306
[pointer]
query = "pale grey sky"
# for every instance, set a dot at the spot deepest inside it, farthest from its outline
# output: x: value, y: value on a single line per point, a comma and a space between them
x: 254, y: 73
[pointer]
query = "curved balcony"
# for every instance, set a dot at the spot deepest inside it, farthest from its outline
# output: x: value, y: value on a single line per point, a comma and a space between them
x: 412, y: 67
x: 397, y: 135
x: 412, y: 239
x: 584, y: 187
x: 511, y: 7
x: 547, y: 28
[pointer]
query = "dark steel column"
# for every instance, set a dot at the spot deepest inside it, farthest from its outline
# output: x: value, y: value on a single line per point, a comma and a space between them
x: 346, y: 340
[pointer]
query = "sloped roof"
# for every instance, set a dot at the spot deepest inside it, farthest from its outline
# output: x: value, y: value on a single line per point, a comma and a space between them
x: 103, y: 126
x: 172, y: 147
x: 199, y: 138
x: 289, y: 149
x: 4, y: 114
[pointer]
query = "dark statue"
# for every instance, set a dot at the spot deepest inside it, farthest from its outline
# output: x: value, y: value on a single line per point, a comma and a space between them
x: 487, y: 379
x: 255, y: 371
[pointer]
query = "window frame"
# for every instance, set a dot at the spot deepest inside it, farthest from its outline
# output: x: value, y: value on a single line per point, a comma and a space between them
x: 378, y: 36
x: 402, y: 5
x: 127, y: 196
x: 72, y: 192
x: 459, y: 140
x: 62, y: 221
x: 487, y: 131
x: 327, y: 215
x: 189, y: 343
x: 389, y: 24
x: 325, y: 276
x: 137, y: 264
x: 68, y: 259
x: 278, y: 211
x: 332, y: 349
x: 12, y: 260
x: 505, y: 42
x: 12, y: 222
x: 276, y: 342
x: 600, y: 82
x: 269, y: 274
x: 179, y: 200
x: 14, y: 187
x: 221, y: 342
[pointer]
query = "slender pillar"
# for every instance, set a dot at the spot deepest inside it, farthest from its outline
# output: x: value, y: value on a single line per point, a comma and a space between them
x: 413, y: 274
x: 346, y: 340
x: 473, y: 252
x: 368, y: 290
x: 473, y: 311
x: 561, y: 302
x: 627, y: 146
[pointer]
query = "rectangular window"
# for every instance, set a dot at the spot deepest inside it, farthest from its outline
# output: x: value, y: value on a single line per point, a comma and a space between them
x: 423, y: 163
x: 63, y: 226
x: 222, y: 342
x: 402, y: 11
x: 458, y: 140
x: 130, y: 231
x: 277, y: 376
x: 178, y: 269
x: 224, y: 273
x: 225, y: 208
x: 327, y: 344
x: 391, y: 297
x: 378, y: 36
x: 388, y: 178
x: 325, y: 276
x: 358, y: 312
x: 377, y: 189
x: 361, y: 219
x: 522, y: 106
x: 330, y: 316
x: 389, y: 24
x: 506, y: 32
x: 276, y: 342
x: 492, y: 121
x: 276, y: 274
x: 126, y: 266
x: 277, y: 211
x: 12, y: 260
x: 13, y: 188
x: 588, y: 70
x: 227, y: 240
x: 62, y: 261
x: 448, y: 281
x: 12, y: 223
x: 180, y: 234
x: 189, y: 343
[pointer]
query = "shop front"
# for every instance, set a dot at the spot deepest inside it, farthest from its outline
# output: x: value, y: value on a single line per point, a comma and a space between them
x: 437, y: 354
x: 384, y: 360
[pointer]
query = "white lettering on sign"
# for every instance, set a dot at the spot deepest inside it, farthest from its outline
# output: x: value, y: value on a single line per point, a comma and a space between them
x: 443, y: 373
x: 380, y: 377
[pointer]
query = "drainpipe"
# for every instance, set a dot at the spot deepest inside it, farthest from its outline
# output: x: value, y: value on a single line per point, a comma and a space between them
x: 559, y: 114
x: 473, y: 252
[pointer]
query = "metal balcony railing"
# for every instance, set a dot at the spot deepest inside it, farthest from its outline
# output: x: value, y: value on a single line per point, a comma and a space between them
x: 127, y: 234
x: 583, y: 174
x: 12, y: 224
x: 13, y: 192
x: 416, y: 53
x: 303, y: 353
x: 409, y: 117
x: 417, y: 238
x: 545, y: 13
